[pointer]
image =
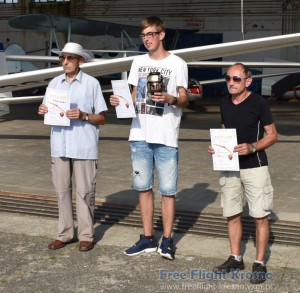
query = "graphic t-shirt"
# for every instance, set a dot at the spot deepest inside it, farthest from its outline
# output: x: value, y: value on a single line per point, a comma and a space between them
x: 157, y: 122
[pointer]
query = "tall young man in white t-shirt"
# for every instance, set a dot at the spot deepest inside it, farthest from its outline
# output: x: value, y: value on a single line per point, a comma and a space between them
x: 154, y: 133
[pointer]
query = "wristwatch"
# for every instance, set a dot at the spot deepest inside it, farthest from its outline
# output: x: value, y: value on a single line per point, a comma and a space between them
x: 175, y: 100
x: 85, y: 117
x: 253, y: 149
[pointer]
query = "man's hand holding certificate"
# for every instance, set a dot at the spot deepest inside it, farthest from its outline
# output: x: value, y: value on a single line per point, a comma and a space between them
x: 58, y: 102
x: 125, y: 109
x: 223, y: 142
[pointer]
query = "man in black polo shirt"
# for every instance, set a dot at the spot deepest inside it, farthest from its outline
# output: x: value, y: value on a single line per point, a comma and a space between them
x: 250, y: 115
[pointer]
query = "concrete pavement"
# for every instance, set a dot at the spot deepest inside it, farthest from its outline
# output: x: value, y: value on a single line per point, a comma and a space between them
x: 28, y: 266
x: 25, y: 159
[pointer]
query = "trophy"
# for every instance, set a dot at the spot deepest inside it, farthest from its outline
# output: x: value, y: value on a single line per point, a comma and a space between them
x: 154, y: 82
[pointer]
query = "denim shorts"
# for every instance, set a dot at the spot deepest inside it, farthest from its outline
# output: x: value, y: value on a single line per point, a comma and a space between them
x: 149, y: 156
x: 255, y: 184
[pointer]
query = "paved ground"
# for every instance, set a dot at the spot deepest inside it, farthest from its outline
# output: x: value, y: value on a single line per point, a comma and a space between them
x: 28, y: 266
x: 25, y: 160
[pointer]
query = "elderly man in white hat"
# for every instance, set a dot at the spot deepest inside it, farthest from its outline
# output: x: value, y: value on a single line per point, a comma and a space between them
x: 74, y: 148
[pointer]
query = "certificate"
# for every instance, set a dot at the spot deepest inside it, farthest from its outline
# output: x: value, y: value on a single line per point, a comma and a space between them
x: 58, y: 102
x: 126, y: 108
x: 223, y: 141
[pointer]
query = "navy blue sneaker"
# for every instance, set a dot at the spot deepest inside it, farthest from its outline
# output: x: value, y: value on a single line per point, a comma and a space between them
x: 166, y: 248
x: 143, y: 245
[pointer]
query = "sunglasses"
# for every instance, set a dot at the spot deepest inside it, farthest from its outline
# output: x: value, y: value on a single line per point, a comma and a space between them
x: 149, y: 35
x: 69, y: 58
x: 235, y: 78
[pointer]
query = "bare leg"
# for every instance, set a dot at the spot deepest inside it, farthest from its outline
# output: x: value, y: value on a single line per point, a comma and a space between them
x: 262, y: 237
x: 147, y: 209
x: 234, y: 225
x: 168, y: 214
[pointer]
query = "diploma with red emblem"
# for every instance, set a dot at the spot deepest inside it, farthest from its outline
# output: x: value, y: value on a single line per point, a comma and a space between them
x: 223, y: 141
x: 58, y: 102
x: 126, y: 108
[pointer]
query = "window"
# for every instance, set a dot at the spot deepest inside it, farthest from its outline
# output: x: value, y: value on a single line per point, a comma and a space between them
x: 8, y: 1
x: 47, y: 1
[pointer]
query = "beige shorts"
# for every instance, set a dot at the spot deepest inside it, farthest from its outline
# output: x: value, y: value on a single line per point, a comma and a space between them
x: 255, y: 183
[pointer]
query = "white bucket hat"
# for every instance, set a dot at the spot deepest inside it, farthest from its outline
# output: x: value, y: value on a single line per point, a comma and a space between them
x: 77, y: 49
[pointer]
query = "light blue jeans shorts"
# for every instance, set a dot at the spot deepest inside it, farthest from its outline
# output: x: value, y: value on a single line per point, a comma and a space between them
x: 255, y: 184
x: 145, y: 158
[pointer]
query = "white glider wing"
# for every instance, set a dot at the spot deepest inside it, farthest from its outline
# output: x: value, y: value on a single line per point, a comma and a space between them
x: 41, y: 77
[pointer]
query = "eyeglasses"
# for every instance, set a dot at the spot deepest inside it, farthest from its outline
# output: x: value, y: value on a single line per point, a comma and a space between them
x: 149, y: 35
x: 69, y: 58
x: 235, y: 78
